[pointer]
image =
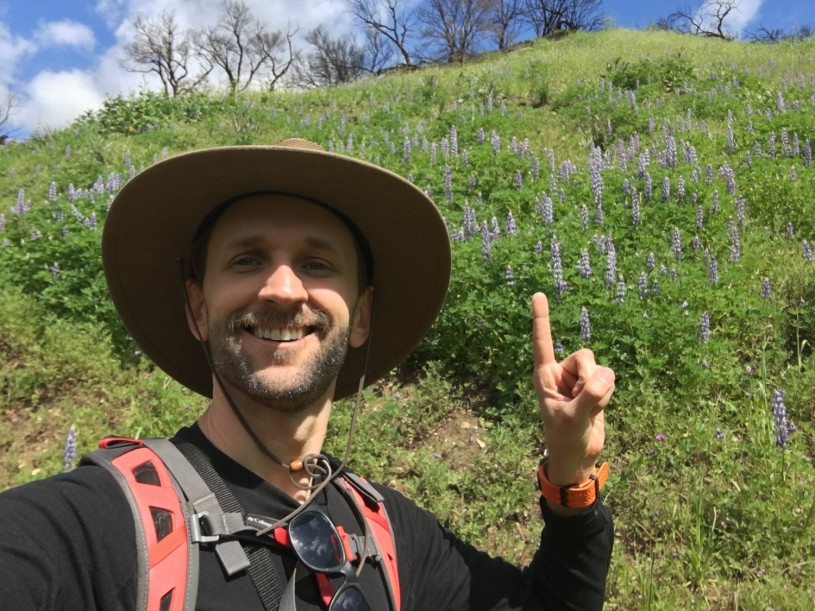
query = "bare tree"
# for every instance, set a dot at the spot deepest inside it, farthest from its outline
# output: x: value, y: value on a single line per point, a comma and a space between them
x: 456, y: 27
x: 159, y: 46
x: 504, y: 21
x: 548, y: 16
x: 388, y: 19
x: 243, y: 48
x: 331, y: 61
x: 8, y: 106
x: 774, y: 35
x: 708, y: 20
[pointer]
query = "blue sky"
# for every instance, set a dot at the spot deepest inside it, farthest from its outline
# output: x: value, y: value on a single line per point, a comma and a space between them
x: 61, y: 58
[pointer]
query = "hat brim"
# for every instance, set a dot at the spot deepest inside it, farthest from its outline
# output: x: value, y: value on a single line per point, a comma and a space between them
x: 152, y: 221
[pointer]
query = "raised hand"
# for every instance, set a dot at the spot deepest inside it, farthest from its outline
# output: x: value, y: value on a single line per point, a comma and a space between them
x: 572, y: 395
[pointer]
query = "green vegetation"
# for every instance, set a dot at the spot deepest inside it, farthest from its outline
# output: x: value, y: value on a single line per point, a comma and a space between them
x: 658, y: 187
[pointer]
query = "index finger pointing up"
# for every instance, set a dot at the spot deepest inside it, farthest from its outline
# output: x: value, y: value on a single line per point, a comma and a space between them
x: 542, y: 346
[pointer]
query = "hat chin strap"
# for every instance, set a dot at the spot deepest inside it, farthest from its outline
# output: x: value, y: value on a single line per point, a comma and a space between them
x: 315, y: 465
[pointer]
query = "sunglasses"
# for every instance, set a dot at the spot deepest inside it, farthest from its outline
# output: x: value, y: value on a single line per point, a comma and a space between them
x: 315, y: 540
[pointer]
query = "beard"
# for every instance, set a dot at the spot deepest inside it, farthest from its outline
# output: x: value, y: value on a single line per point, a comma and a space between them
x: 312, y: 381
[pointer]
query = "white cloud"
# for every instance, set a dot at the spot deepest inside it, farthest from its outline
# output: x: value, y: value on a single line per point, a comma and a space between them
x: 54, y: 99
x: 65, y: 33
x: 12, y: 49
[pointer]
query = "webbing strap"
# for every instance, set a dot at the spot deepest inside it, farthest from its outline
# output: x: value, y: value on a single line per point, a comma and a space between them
x: 261, y: 569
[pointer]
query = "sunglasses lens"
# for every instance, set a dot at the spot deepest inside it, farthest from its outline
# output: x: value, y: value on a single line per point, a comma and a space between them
x: 317, y: 542
x: 350, y: 599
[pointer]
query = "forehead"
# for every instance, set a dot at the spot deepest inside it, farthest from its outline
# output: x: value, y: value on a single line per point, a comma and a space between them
x: 279, y: 216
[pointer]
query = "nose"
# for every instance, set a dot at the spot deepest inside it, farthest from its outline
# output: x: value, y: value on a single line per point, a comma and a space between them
x: 284, y: 287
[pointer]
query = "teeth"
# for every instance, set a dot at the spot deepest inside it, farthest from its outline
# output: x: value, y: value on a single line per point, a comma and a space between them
x: 279, y: 335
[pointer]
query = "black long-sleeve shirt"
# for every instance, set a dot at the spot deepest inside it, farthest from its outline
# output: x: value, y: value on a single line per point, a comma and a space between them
x: 68, y: 542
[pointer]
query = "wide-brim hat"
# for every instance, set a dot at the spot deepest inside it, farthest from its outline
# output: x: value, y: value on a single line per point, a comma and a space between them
x: 153, y: 219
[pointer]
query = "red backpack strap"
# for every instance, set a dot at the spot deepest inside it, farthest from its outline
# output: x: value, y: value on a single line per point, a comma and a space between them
x: 373, y: 508
x: 163, y: 547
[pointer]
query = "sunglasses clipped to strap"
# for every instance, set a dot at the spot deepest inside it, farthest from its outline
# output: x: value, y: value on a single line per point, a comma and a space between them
x: 318, y: 545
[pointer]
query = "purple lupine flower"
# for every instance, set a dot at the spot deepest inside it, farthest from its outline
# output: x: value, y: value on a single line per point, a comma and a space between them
x: 584, y: 217
x: 790, y: 231
x: 735, y: 241
x: 496, y: 228
x: 666, y: 189
x: 52, y: 191
x: 557, y: 267
x: 54, y: 269
x: 619, y: 295
x: 766, y: 288
x: 731, y: 139
x: 807, y: 153
x: 806, y: 250
x: 519, y: 180
x: 433, y: 153
x: 793, y: 173
x: 714, y: 207
x: 680, y: 188
x: 536, y: 168
x: 730, y: 178
x: 655, y: 288
x: 69, y: 455
x: 650, y: 260
x: 611, y: 264
x: 700, y: 218
x: 584, y: 264
x: 480, y: 135
x: 470, y: 225
x: 2, y: 221
x: 712, y: 269
x: 90, y: 221
x: 649, y: 187
x: 35, y: 235
x: 740, y: 215
x: 782, y: 429
x: 538, y: 247
x: 509, y: 276
x: 642, y: 284
x: 635, y: 209
x: 512, y: 229
x: 550, y: 158
x: 486, y: 249
x: 472, y: 182
x: 718, y: 434
x: 546, y: 209
x: 465, y: 158
x: 21, y: 206
x: 704, y: 328
x: 406, y: 148
x: 585, y: 325
x: 448, y: 183
x: 453, y: 141
x: 495, y: 139
x: 708, y: 174
x: 676, y: 244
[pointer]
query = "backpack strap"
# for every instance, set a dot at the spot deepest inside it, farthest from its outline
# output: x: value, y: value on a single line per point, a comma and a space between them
x: 378, y: 524
x: 163, y: 547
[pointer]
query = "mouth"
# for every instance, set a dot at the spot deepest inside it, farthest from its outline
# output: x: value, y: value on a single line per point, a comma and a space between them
x: 280, y: 334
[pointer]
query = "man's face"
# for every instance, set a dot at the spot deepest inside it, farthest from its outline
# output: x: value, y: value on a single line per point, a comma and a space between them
x: 280, y: 301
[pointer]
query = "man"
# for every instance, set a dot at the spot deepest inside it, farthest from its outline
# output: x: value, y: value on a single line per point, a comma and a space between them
x: 275, y: 280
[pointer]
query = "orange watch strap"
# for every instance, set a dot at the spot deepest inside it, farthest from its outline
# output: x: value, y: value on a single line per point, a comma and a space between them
x: 583, y: 495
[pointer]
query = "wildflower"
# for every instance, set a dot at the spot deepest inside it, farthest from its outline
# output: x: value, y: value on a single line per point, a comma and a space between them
x: 806, y: 250
x: 448, y: 183
x: 470, y: 226
x: 545, y: 207
x: 519, y: 180
x: 69, y: 454
x: 557, y: 267
x: 649, y: 187
x: 496, y: 228
x: 700, y: 218
x: 509, y: 276
x: 52, y: 191
x: 585, y: 325
x: 740, y: 210
x: 676, y: 244
x: 512, y: 229
x: 790, y: 230
x: 619, y: 295
x: 453, y: 141
x: 2, y: 221
x: 650, y: 260
x: 406, y: 148
x: 766, y: 288
x: 584, y: 217
x: 659, y: 437
x: 635, y: 209
x: 642, y: 283
x: 54, y: 269
x: 782, y: 429
x: 712, y: 269
x: 495, y: 139
x: 584, y: 264
x: 719, y: 435
x: 704, y: 328
x: 486, y: 249
x: 611, y: 264
x: 538, y: 247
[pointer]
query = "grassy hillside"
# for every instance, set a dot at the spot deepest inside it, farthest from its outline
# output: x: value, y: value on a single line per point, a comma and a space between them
x: 658, y: 187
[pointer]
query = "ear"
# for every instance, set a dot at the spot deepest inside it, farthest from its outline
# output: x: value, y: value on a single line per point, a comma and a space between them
x: 361, y: 318
x: 196, y: 311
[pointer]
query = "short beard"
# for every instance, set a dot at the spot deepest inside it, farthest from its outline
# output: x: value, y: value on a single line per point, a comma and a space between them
x: 235, y: 369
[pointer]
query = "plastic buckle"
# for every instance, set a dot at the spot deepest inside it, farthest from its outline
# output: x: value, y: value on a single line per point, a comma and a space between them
x: 197, y: 529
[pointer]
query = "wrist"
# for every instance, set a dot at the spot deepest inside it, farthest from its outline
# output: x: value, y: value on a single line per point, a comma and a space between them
x: 571, y: 493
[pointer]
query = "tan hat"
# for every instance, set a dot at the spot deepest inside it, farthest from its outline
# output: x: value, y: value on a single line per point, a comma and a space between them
x: 153, y: 219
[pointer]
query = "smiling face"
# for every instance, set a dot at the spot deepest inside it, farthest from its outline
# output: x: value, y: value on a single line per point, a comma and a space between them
x: 280, y: 301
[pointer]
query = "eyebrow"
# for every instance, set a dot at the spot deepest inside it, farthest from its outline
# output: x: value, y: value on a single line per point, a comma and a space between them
x: 254, y: 240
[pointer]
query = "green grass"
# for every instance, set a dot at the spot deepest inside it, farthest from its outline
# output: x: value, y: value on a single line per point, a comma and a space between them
x: 710, y: 513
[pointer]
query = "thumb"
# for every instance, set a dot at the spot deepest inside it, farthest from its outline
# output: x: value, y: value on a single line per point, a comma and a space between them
x: 596, y: 392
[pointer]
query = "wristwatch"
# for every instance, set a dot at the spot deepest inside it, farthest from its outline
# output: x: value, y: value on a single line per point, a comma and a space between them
x: 574, y: 495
